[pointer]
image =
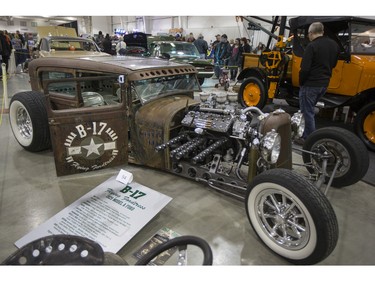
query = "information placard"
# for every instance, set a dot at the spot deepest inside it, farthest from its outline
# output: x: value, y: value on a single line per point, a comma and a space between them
x: 110, y: 214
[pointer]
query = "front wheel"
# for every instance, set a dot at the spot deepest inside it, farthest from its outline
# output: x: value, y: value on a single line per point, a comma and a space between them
x: 364, y: 125
x: 341, y: 145
x: 252, y: 93
x: 29, y: 121
x: 291, y: 216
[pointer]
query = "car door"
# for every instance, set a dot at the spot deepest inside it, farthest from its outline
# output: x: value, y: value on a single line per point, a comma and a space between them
x: 87, y: 119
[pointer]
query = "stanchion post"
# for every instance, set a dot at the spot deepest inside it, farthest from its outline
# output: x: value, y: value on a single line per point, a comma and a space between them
x: 5, y: 86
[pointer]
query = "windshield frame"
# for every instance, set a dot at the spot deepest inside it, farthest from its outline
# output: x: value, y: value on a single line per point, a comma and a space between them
x: 150, y: 89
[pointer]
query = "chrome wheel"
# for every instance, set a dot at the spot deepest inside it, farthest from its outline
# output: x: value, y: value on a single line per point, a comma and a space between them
x: 282, y: 218
x: 291, y: 216
x: 29, y: 121
x: 21, y: 123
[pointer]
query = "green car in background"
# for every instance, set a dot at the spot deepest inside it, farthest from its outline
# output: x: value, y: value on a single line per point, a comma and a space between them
x: 166, y: 47
x: 185, y: 52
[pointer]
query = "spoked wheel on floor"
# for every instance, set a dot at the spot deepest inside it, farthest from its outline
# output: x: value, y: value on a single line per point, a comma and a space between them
x: 291, y: 216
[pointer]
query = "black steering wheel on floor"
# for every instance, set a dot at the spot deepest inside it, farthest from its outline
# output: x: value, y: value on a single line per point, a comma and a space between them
x: 181, y: 243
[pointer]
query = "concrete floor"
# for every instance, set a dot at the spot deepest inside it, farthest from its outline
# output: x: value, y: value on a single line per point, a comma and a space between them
x: 31, y: 193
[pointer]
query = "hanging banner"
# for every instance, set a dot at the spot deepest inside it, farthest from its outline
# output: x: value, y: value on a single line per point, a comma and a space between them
x: 110, y: 214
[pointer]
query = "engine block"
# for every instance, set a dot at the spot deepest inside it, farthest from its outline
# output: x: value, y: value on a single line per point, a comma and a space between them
x: 208, y: 120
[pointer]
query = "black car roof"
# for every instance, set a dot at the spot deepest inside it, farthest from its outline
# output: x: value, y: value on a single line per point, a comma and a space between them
x: 304, y: 21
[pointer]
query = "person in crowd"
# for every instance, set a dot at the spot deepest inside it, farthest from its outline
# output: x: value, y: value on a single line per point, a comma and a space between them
x: 121, y: 47
x: 190, y: 38
x: 244, y: 48
x: 231, y: 42
x: 20, y: 36
x: 17, y: 46
x: 107, y: 44
x: 202, y: 46
x: 99, y: 39
x: 222, y: 54
x: 178, y: 37
x: 318, y: 60
x: 5, y: 48
x: 235, y: 59
x: 259, y: 49
x: 214, y: 44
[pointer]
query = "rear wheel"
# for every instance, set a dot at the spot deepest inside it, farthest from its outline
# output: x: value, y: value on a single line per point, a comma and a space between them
x: 291, y: 216
x: 252, y: 93
x: 29, y: 121
x: 364, y: 125
x: 341, y: 145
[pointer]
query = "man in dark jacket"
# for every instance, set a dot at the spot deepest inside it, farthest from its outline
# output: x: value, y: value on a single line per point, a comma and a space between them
x: 201, y: 45
x: 318, y: 60
x: 107, y: 45
x: 223, y: 51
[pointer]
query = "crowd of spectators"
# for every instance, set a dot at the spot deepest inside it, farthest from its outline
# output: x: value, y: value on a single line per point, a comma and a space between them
x: 223, y: 52
x: 13, y: 42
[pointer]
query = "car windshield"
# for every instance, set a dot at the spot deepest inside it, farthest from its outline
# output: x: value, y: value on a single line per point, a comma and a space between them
x: 363, y: 38
x: 73, y: 45
x: 151, y: 88
x: 176, y: 49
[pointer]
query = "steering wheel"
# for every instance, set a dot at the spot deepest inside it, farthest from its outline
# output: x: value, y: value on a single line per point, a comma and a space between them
x: 181, y: 242
x: 58, y: 250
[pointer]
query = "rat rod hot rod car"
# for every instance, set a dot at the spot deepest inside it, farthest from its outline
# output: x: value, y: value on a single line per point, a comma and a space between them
x: 101, y: 112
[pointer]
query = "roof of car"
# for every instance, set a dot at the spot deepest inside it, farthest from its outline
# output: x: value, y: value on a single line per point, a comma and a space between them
x: 174, y: 42
x: 139, y: 68
x: 304, y: 21
x: 65, y: 38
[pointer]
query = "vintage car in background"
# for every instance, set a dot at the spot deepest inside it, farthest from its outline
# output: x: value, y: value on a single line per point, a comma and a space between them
x: 164, y: 46
x: 65, y: 46
x: 137, y: 44
x: 100, y: 112
x: 184, y: 52
x: 274, y: 74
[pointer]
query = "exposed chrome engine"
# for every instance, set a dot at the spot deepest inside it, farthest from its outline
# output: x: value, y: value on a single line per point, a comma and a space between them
x: 226, y: 146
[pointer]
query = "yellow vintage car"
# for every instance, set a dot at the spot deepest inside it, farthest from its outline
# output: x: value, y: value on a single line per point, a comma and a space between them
x: 353, y: 79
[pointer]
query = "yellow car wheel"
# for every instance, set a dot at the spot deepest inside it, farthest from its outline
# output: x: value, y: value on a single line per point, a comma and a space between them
x: 252, y: 93
x: 364, y: 125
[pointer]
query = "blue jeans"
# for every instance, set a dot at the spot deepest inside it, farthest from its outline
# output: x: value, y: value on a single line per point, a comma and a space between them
x: 308, y: 97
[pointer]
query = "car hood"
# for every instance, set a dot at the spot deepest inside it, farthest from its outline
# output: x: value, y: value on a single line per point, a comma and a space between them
x: 138, y: 39
x: 73, y: 54
x: 190, y: 60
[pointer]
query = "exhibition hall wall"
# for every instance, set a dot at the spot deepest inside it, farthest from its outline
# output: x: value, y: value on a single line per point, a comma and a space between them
x: 208, y: 26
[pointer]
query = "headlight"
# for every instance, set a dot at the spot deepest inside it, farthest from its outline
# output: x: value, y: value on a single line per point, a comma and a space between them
x: 298, y: 125
x: 270, y: 147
